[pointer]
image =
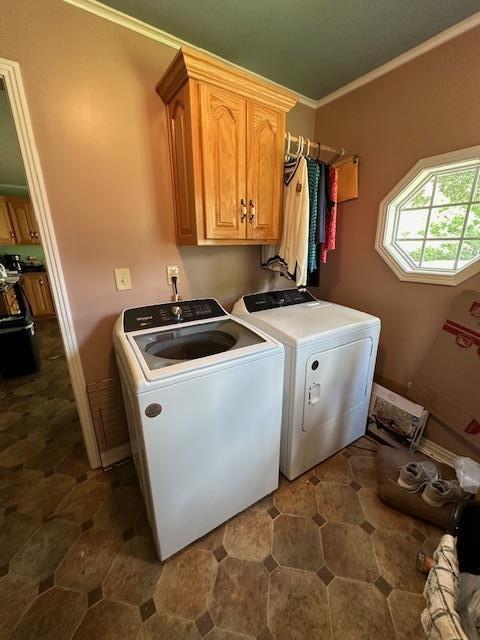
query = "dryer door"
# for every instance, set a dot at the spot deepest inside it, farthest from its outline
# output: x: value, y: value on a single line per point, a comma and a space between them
x: 336, y: 381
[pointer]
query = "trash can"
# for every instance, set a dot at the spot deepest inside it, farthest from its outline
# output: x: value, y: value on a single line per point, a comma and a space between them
x: 19, y: 354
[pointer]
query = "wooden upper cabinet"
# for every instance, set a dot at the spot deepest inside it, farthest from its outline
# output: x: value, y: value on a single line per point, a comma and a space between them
x: 23, y: 220
x: 226, y: 130
x: 7, y: 235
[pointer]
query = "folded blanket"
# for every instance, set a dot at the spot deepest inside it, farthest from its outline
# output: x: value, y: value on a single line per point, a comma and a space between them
x: 440, y: 619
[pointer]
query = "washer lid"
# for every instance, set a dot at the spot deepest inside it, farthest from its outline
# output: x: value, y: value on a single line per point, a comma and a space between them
x: 301, y: 324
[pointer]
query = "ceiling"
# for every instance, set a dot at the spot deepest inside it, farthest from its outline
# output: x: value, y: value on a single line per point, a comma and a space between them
x: 310, y: 46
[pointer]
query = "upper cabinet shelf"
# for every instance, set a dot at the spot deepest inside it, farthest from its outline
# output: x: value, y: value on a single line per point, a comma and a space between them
x: 226, y: 130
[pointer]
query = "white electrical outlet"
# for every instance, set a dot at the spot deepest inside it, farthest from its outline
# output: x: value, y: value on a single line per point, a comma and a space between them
x: 123, y: 279
x: 173, y: 271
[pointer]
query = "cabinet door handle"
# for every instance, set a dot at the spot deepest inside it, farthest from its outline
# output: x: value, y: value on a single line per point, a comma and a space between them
x: 252, y: 211
x: 244, y: 210
x: 31, y: 234
x: 12, y: 235
x: 35, y: 234
x: 40, y: 282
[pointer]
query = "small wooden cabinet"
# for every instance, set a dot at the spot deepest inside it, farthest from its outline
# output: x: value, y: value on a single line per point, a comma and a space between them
x: 7, y: 235
x: 226, y: 137
x: 9, y: 303
x: 23, y: 220
x: 18, y: 224
x: 37, y: 290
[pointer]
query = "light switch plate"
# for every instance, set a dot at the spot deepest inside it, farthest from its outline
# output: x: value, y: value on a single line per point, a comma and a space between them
x: 123, y: 279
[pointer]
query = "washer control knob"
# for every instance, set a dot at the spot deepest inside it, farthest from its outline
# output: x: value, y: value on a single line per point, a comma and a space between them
x: 176, y: 312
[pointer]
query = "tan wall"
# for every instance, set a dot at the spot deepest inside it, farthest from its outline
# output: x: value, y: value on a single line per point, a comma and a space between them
x: 426, y: 107
x: 101, y: 135
x: 301, y: 121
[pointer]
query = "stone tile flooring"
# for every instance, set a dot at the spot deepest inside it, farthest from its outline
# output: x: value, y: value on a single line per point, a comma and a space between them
x: 322, y: 558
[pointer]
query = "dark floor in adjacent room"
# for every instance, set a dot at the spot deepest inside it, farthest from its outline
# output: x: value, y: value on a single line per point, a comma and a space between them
x: 321, y: 558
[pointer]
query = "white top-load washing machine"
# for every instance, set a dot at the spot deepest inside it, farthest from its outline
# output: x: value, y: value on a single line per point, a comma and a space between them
x: 203, y: 399
x: 330, y: 354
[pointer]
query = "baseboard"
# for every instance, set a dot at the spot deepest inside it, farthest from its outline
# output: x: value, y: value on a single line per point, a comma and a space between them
x: 437, y: 452
x: 115, y: 455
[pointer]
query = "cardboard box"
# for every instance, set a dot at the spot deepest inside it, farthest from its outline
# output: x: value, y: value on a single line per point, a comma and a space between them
x: 448, y: 382
x: 393, y: 419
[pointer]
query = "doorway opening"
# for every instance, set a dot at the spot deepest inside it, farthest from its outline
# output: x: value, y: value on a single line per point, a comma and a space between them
x: 45, y: 417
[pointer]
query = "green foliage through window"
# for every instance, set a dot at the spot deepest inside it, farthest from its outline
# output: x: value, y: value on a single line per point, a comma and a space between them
x: 444, y: 211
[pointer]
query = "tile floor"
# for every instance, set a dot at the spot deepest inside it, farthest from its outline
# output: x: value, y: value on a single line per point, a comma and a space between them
x: 322, y: 558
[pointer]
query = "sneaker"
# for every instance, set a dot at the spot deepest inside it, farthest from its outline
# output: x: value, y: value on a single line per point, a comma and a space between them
x: 415, y: 475
x: 439, y: 492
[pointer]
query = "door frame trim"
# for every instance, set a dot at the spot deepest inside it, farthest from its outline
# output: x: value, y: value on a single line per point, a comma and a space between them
x: 10, y: 72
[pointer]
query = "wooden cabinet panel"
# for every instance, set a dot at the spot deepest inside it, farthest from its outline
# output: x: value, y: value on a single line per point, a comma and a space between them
x: 37, y: 289
x: 182, y: 166
x: 9, y: 303
x: 265, y: 131
x: 7, y: 235
x: 223, y: 119
x: 13, y: 308
x: 23, y: 220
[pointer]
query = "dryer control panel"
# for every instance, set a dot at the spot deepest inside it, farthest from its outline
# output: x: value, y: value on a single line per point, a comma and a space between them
x: 162, y: 315
x: 275, y: 299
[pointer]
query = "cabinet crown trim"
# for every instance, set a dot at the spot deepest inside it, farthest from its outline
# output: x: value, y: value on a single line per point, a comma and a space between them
x: 189, y: 64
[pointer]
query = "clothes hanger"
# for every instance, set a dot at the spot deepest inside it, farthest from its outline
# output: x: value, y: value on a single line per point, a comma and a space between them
x: 319, y: 149
x: 308, y: 147
x: 301, y: 144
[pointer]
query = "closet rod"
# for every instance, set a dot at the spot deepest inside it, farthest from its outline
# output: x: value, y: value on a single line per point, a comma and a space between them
x: 308, y: 144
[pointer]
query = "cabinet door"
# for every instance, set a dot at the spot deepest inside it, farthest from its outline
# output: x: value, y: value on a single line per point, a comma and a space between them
x: 7, y: 236
x: 12, y: 302
x: 223, y: 116
x: 23, y: 220
x: 265, y: 132
x: 182, y: 167
x: 37, y: 290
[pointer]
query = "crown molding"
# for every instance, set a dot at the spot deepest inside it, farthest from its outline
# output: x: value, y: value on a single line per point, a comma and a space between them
x: 432, y: 43
x: 118, y: 17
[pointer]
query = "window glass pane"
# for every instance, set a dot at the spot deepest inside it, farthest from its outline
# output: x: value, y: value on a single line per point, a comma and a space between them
x: 476, y: 195
x: 473, y: 224
x: 439, y: 254
x: 412, y: 250
x: 454, y: 187
x: 470, y: 251
x: 412, y: 224
x: 446, y: 222
x: 421, y: 197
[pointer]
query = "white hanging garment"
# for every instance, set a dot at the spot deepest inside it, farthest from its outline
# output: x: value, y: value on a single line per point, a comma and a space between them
x: 290, y: 256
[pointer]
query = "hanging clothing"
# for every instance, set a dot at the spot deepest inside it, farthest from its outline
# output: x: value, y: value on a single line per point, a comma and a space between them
x: 290, y: 257
x: 331, y: 223
x: 322, y: 202
x: 313, y: 169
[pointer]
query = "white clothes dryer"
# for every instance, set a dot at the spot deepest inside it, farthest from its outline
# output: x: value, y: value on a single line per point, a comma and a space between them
x: 330, y: 354
x: 203, y: 397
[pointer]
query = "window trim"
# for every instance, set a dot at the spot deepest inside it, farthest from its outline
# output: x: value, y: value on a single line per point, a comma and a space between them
x: 413, y: 179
